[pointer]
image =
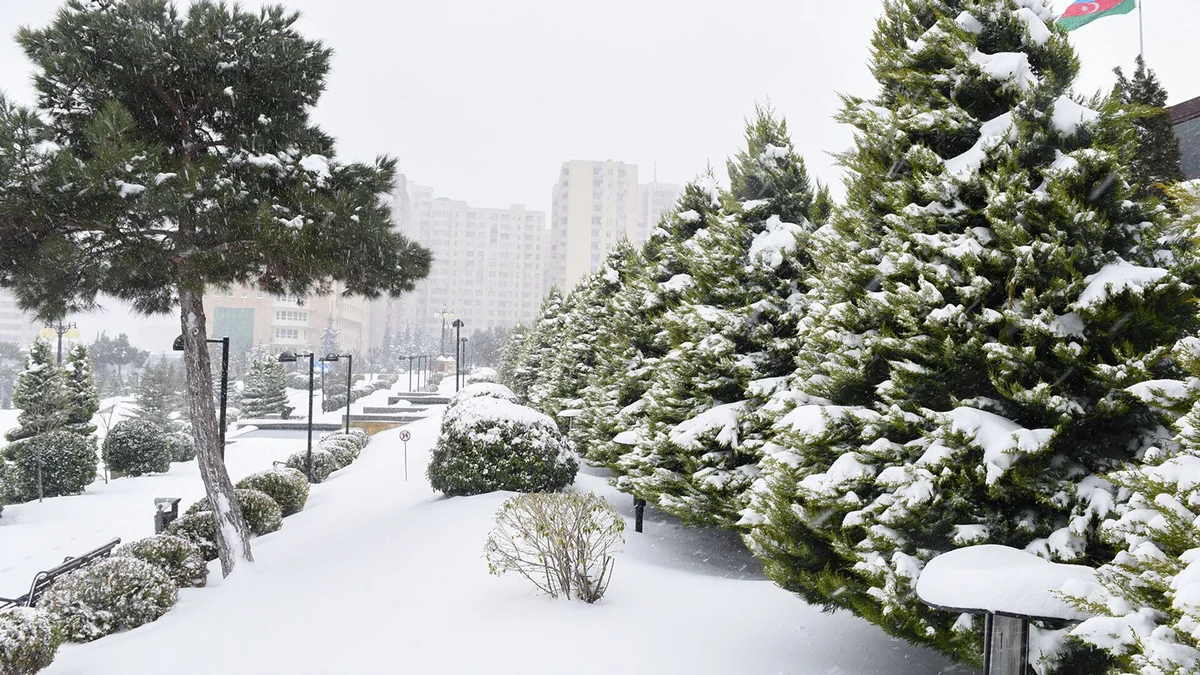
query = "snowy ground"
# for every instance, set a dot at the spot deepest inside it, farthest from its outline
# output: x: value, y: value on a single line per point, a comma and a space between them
x: 380, y: 575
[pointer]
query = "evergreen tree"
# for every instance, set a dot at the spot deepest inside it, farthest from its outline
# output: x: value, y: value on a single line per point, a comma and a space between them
x: 181, y: 145
x: 11, y: 361
x: 987, y: 296
x: 1157, y: 160
x: 329, y: 338
x: 40, y: 393
x: 538, y: 349
x: 510, y: 355
x: 81, y: 388
x: 155, y: 398
x: 265, y: 389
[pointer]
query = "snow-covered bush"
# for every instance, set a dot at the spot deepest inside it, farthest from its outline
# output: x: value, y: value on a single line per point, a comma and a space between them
x: 297, y: 380
x: 561, y: 542
x: 489, y: 389
x: 261, y: 512
x: 323, y: 463
x: 287, y: 486
x: 200, y: 528
x: 482, y: 375
x: 183, y: 447
x: 27, y: 641
x: 107, y: 596
x: 333, y: 402
x: 264, y: 391
x: 178, y: 557
x: 68, y: 464
x: 135, y: 447
x: 343, y: 451
x: 489, y: 444
x: 363, y: 437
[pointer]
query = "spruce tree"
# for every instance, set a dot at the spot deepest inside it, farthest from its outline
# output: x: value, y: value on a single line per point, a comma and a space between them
x: 81, y: 388
x: 155, y: 399
x: 265, y: 390
x: 41, y: 393
x: 987, y: 296
x: 172, y: 151
x: 537, y: 351
x: 510, y: 355
x: 1157, y: 160
x: 329, y: 338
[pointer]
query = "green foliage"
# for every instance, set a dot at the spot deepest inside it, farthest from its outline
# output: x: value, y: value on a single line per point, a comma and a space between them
x: 182, y: 445
x: 199, y: 528
x: 323, y: 463
x: 157, y: 399
x: 41, y: 393
x: 1157, y: 160
x: 265, y: 389
x: 262, y: 514
x: 27, y: 641
x: 11, y: 361
x: 286, y: 486
x: 109, y: 595
x: 83, y: 399
x: 489, y: 444
x: 136, y: 446
x: 68, y: 463
x: 178, y: 557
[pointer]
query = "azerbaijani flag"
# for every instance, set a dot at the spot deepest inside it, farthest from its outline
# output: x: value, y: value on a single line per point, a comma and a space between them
x: 1083, y: 12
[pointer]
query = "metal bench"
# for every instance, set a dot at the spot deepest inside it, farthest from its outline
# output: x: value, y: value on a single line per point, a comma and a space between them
x: 43, y: 579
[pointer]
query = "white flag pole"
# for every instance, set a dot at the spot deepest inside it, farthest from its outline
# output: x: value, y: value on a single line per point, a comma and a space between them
x: 1141, y: 34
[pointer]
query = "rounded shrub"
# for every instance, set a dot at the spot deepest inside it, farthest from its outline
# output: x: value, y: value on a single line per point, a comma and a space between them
x: 27, y: 641
x: 488, y: 444
x: 261, y: 512
x: 358, y: 439
x: 333, y: 402
x: 200, y: 528
x: 183, y: 447
x: 68, y: 465
x: 482, y: 375
x: 287, y: 486
x: 137, y: 447
x: 107, y: 596
x: 323, y: 463
x: 483, y: 389
x: 297, y: 380
x: 178, y: 557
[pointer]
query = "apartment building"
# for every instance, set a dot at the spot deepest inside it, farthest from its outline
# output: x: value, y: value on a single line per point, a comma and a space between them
x: 487, y: 263
x: 1185, y: 117
x: 654, y: 199
x: 251, y: 317
x: 15, y: 325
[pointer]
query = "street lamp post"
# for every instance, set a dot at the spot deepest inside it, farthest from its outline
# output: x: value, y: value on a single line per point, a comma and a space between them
x: 445, y: 315
x: 71, y: 330
x: 463, y: 358
x: 289, y: 357
x: 458, y: 326
x: 334, y: 358
x: 410, y: 360
x: 224, y: 341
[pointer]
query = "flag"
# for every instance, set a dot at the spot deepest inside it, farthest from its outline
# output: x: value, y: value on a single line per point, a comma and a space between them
x: 1083, y: 12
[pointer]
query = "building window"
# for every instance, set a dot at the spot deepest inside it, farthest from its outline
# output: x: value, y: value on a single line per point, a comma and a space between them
x: 290, y: 315
x: 229, y: 293
x: 287, y: 333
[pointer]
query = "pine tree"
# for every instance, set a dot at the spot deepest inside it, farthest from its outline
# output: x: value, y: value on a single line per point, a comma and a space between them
x: 538, y: 349
x: 1157, y: 160
x: 329, y: 338
x: 155, y: 399
x: 40, y: 393
x: 81, y: 387
x: 987, y: 296
x: 182, y: 147
x: 11, y: 361
x: 265, y: 389
x: 510, y: 354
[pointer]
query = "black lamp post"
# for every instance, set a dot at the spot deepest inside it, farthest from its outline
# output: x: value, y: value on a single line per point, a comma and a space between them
x: 462, y: 359
x: 61, y: 329
x: 458, y: 326
x: 178, y: 346
x: 410, y: 360
x: 334, y: 358
x: 289, y: 357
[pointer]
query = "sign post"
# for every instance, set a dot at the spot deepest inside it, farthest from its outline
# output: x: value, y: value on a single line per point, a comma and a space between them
x: 405, y: 437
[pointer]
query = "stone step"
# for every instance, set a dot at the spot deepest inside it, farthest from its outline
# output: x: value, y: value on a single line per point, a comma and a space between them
x: 394, y: 410
x: 426, y: 400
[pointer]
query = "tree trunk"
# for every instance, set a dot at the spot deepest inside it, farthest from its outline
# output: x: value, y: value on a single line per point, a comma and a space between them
x: 233, y: 536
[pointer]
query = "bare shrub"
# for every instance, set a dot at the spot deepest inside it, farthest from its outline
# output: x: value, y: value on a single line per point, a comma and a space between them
x: 561, y: 542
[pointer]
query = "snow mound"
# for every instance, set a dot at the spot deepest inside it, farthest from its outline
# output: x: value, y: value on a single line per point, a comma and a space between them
x: 724, y: 419
x: 1115, y: 278
x: 993, y: 132
x: 1069, y: 116
x: 1002, y: 439
x: 779, y: 238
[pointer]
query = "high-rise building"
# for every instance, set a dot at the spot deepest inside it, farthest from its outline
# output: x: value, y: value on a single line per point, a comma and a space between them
x: 487, y: 264
x: 250, y: 317
x: 16, y: 325
x: 1185, y: 117
x: 654, y: 199
x: 386, y: 313
x: 594, y: 206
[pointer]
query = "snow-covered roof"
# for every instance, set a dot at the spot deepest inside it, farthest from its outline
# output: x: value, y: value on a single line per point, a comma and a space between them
x: 1002, y: 580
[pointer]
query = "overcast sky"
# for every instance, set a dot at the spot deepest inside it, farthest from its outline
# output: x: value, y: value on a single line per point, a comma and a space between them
x: 484, y: 100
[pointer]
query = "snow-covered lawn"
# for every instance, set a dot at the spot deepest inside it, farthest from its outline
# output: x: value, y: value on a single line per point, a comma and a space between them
x: 379, y: 575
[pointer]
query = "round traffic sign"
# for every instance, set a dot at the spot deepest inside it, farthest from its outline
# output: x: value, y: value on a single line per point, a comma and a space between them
x: 405, y: 436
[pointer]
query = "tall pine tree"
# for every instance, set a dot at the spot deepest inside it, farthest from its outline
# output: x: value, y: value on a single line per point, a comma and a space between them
x: 41, y: 393
x: 1157, y: 160
x: 81, y: 389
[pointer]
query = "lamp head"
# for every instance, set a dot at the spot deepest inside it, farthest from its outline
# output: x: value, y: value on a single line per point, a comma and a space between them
x: 329, y: 358
x: 287, y: 357
x: 458, y: 323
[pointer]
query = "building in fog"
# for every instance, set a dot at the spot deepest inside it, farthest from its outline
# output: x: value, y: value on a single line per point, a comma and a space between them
x: 16, y: 325
x: 593, y: 206
x: 250, y: 317
x: 1186, y: 119
x: 487, y: 264
x: 654, y: 199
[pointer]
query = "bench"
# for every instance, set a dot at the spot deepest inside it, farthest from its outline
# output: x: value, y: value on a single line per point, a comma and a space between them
x: 43, y: 579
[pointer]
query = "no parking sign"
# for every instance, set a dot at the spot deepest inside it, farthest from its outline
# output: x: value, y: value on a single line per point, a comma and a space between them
x: 405, y: 437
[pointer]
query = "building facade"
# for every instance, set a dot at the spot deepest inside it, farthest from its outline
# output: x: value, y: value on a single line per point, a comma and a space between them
x: 487, y: 264
x: 250, y: 317
x: 593, y: 206
x: 654, y: 199
x: 1185, y: 117
x: 16, y: 325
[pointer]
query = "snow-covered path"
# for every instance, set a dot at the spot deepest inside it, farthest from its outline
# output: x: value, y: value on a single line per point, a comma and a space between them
x: 379, y: 575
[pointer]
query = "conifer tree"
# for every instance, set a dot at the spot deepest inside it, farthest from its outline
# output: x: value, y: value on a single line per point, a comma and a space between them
x: 990, y: 293
x: 1157, y: 160
x: 40, y: 393
x: 510, y: 355
x: 265, y: 389
x: 155, y: 399
x: 176, y: 152
x: 538, y: 349
x: 329, y: 338
x: 81, y: 388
